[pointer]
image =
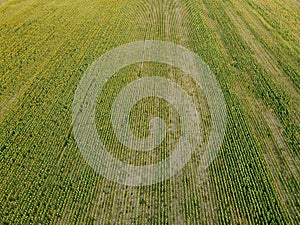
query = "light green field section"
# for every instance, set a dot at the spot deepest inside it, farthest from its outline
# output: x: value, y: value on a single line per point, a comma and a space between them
x: 253, y: 48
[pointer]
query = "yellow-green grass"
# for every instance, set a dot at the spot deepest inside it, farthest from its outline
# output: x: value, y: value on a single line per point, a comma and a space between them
x: 251, y: 46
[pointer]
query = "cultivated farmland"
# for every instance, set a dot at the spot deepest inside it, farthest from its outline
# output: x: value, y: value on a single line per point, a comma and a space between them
x: 251, y: 46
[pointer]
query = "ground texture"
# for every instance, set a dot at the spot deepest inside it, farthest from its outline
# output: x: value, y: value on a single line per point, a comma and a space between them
x: 251, y: 46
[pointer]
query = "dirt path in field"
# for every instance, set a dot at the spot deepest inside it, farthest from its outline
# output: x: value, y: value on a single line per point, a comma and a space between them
x: 173, y: 24
x: 176, y: 27
x: 167, y: 20
x: 261, y: 54
x: 269, y: 63
x: 276, y: 153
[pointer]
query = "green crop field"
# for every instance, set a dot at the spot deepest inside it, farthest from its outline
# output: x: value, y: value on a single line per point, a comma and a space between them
x: 251, y: 46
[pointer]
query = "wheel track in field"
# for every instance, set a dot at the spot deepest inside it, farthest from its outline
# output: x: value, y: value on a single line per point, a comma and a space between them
x: 287, y: 193
x: 153, y: 15
x: 265, y: 59
x: 200, y: 23
x: 220, y: 22
x: 126, y: 197
x: 268, y: 14
x: 277, y: 156
x: 290, y: 46
x: 175, y: 31
x: 177, y: 17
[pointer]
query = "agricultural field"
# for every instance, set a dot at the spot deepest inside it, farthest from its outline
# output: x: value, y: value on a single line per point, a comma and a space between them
x: 251, y: 46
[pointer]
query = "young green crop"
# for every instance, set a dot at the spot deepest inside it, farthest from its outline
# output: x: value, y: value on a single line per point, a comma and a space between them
x: 252, y: 47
